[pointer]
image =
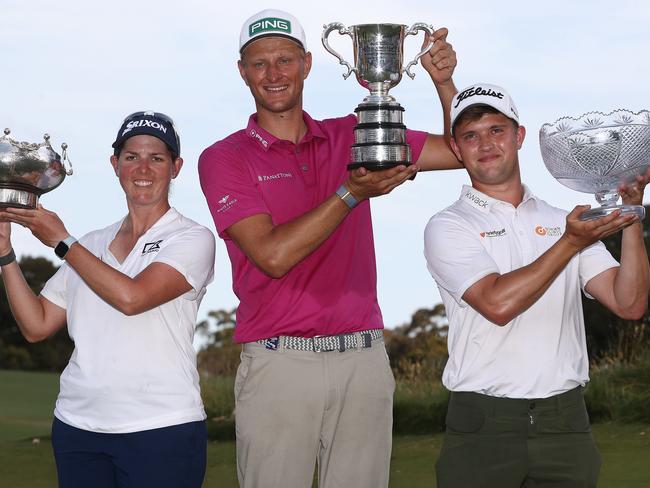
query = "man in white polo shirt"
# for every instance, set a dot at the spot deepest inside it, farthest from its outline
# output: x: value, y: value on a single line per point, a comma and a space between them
x: 510, y: 269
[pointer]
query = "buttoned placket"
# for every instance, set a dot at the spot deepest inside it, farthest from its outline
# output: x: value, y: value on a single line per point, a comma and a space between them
x: 524, y: 245
x: 302, y: 163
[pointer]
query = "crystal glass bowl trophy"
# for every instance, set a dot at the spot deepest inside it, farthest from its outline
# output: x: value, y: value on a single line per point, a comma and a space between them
x: 380, y: 135
x: 596, y: 153
x: 27, y: 170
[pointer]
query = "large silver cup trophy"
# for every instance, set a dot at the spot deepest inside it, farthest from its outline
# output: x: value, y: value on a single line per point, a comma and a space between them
x: 380, y: 134
x: 597, y: 152
x: 27, y: 170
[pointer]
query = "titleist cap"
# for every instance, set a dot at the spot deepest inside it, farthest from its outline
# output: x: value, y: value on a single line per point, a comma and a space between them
x: 483, y: 94
x: 271, y: 23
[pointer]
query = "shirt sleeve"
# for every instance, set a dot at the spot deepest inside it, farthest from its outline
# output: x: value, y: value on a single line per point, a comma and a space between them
x: 55, y: 289
x: 229, y: 187
x: 455, y: 258
x: 416, y: 139
x: 191, y: 253
x: 594, y: 260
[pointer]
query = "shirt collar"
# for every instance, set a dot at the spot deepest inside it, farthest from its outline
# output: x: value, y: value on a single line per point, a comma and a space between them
x: 265, y: 139
x: 476, y: 199
x: 484, y: 203
x: 164, y: 219
x: 528, y: 195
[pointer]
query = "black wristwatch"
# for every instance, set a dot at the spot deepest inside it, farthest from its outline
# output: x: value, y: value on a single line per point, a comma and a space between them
x: 62, y: 247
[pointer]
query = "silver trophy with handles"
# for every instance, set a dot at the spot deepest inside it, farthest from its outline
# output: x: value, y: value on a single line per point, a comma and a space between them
x: 27, y: 170
x: 380, y: 134
x: 597, y: 152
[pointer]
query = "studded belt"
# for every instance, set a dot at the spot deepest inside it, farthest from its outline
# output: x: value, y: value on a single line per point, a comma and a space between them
x: 324, y: 343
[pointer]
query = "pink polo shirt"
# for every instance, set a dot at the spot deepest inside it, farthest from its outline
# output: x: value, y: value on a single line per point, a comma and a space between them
x: 334, y: 289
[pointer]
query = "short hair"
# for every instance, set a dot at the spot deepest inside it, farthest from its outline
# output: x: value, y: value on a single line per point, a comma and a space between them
x: 475, y: 112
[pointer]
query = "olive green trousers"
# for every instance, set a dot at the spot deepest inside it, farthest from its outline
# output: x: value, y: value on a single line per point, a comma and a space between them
x: 518, y: 443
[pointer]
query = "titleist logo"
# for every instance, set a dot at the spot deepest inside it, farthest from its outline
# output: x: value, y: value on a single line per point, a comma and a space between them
x: 477, y: 90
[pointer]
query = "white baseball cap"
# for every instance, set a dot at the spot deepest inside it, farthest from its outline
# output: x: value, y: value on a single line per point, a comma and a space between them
x: 271, y: 22
x: 483, y: 94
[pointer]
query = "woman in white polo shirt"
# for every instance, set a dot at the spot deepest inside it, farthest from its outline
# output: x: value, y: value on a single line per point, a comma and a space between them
x: 129, y: 412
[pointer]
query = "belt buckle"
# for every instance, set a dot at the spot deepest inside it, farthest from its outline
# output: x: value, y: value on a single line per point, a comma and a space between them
x: 340, y: 347
x: 315, y: 343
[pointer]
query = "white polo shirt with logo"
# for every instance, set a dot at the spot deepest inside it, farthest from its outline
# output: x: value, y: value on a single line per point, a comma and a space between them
x: 133, y: 373
x: 541, y: 352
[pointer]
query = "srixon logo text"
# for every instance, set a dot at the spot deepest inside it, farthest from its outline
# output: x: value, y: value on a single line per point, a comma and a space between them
x: 145, y: 123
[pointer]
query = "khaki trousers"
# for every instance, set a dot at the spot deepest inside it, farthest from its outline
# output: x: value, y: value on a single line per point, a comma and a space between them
x: 294, y: 408
x: 517, y: 443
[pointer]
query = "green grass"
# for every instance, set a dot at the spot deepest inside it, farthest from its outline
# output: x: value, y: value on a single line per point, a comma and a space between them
x: 620, y: 392
x: 624, y: 449
x: 27, y: 402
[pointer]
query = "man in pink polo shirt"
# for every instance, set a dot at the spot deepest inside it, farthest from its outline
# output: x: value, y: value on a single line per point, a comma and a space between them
x: 314, y: 381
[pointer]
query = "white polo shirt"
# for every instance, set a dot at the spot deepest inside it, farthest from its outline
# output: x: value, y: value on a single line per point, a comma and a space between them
x: 133, y: 373
x: 541, y: 352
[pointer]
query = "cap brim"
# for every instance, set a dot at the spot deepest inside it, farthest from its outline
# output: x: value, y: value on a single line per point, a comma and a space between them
x: 144, y: 131
x: 270, y: 34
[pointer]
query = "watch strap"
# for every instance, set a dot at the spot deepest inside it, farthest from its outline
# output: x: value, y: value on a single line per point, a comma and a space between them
x: 347, y: 197
x: 63, y: 247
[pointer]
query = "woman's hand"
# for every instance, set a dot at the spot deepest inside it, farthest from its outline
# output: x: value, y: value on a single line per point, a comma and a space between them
x: 46, y: 225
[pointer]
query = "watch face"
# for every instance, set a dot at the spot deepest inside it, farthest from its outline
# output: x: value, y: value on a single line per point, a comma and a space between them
x: 61, y: 249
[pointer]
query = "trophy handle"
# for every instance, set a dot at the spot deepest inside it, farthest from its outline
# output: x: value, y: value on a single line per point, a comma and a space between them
x: 343, y: 31
x: 413, y: 30
x: 64, y: 158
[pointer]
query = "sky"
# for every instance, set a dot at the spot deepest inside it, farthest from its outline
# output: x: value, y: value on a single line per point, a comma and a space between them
x: 75, y: 69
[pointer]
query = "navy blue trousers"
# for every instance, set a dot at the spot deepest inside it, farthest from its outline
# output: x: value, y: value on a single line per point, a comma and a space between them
x: 173, y: 457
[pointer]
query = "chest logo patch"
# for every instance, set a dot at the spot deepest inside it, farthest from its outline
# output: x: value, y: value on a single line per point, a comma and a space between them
x: 542, y: 231
x: 493, y: 233
x: 276, y: 176
x: 151, y: 247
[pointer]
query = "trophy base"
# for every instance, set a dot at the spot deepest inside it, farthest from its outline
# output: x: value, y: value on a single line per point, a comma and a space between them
x: 12, y: 197
x: 597, y: 213
x: 378, y: 165
x: 379, y: 156
x: 380, y: 135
